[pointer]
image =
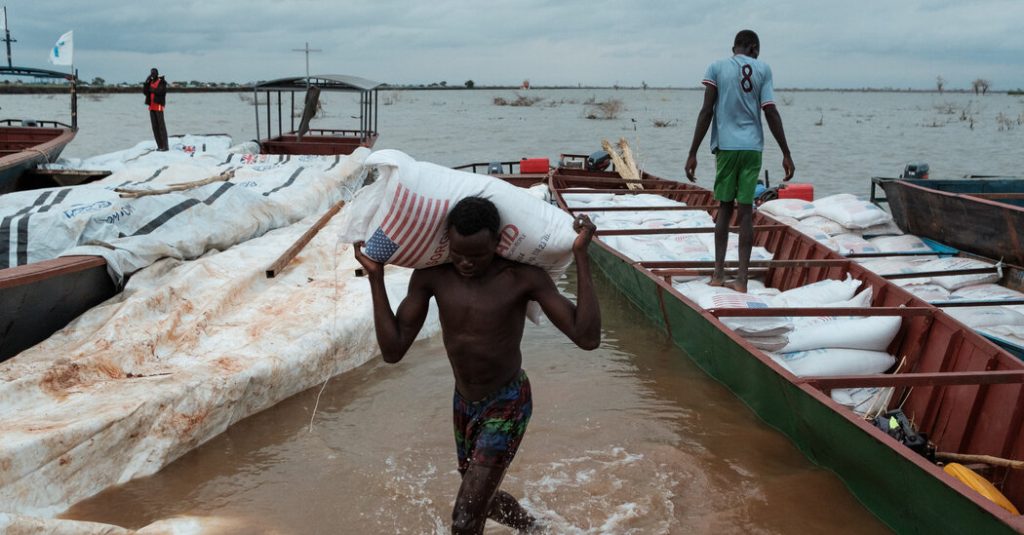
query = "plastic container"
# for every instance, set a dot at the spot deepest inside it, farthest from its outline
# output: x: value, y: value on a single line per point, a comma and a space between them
x: 797, y: 191
x: 534, y: 165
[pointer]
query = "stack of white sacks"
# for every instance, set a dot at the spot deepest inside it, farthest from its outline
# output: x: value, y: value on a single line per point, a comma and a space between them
x: 657, y: 247
x: 805, y: 346
x: 850, y: 225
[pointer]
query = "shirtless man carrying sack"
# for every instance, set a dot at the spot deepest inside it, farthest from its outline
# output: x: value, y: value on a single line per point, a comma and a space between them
x: 482, y: 298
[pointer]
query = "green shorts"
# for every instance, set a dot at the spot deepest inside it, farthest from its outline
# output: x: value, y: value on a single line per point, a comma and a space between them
x: 736, y: 176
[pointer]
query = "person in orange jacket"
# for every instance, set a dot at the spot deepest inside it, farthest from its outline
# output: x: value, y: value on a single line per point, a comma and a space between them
x: 155, y: 88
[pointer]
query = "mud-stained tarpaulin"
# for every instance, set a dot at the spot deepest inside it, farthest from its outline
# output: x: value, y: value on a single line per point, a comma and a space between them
x: 187, y: 349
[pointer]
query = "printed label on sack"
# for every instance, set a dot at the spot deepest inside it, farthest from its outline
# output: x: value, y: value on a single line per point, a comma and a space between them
x: 85, y: 208
x: 440, y: 252
x: 507, y: 239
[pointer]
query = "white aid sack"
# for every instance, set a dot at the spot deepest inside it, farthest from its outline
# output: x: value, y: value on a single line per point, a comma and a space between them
x: 861, y: 300
x: 835, y: 362
x: 870, y: 333
x: 402, y: 216
x: 851, y: 212
x: 795, y: 208
x: 732, y: 247
x: 889, y: 228
x: 955, y: 282
x: 824, y: 224
x: 746, y: 326
x: 853, y: 244
x: 977, y: 317
x: 641, y: 250
x: 818, y: 294
x: 907, y: 243
x: 786, y: 220
x: 863, y: 400
x: 582, y: 199
x: 988, y: 292
x: 768, y: 343
x: 818, y: 236
x: 929, y: 292
x: 893, y: 266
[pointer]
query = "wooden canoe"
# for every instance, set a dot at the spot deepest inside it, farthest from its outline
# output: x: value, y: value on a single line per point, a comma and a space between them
x: 22, y: 148
x: 38, y: 299
x: 984, y: 216
x: 963, y: 391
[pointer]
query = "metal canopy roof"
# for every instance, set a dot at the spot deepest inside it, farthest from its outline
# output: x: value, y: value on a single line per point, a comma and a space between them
x: 329, y: 82
x: 29, y: 71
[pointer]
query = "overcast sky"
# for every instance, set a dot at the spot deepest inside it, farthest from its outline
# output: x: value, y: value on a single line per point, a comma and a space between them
x: 819, y: 44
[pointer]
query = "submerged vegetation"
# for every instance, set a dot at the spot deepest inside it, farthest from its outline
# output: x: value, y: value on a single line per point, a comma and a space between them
x: 519, y: 101
x: 607, y: 109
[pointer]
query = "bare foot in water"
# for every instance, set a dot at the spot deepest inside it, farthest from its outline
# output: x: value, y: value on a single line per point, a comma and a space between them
x: 735, y: 284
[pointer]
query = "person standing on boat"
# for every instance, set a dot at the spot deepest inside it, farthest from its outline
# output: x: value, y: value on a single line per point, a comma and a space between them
x: 155, y: 88
x: 736, y: 90
x: 482, y: 298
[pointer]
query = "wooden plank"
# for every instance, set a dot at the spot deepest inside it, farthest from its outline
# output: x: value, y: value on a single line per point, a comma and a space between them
x: 614, y: 180
x: 622, y: 191
x: 703, y: 207
x: 998, y: 196
x: 979, y: 401
x: 950, y: 273
x: 700, y: 272
x: 685, y: 230
x: 997, y: 377
x: 772, y: 312
x: 899, y: 253
x: 286, y: 257
x: 937, y: 396
x: 976, y: 303
x: 661, y: 267
x: 36, y: 271
x: 71, y: 172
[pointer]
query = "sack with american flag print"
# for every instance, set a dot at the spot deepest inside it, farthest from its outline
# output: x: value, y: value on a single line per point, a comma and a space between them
x: 402, y: 216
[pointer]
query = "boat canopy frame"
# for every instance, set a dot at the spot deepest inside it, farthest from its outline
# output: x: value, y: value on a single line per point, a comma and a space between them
x: 53, y: 75
x: 368, y: 101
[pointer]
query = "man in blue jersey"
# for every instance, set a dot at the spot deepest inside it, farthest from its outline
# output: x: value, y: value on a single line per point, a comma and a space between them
x: 736, y: 90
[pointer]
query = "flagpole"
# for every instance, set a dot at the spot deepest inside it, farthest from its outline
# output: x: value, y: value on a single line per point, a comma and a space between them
x: 7, y: 38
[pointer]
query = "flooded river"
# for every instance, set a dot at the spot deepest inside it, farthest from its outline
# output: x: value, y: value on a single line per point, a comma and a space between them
x: 630, y: 438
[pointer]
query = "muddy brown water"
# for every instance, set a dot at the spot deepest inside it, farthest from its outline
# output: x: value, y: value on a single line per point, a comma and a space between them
x: 629, y: 438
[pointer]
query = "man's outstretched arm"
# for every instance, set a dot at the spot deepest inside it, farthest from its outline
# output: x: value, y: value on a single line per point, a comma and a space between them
x: 707, y: 112
x: 395, y: 332
x: 774, y: 120
x: 580, y: 322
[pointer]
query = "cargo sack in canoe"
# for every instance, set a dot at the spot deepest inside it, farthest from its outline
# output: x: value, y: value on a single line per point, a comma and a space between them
x: 402, y: 216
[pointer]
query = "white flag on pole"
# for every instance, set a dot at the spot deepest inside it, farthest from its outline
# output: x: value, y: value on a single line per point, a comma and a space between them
x: 64, y: 50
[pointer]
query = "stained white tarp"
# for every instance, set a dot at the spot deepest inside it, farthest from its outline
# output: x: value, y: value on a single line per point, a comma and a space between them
x: 265, y: 192
x: 187, y: 349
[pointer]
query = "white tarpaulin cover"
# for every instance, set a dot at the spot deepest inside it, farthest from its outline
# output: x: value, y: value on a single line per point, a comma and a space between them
x: 266, y: 192
x: 187, y: 349
x: 198, y: 339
